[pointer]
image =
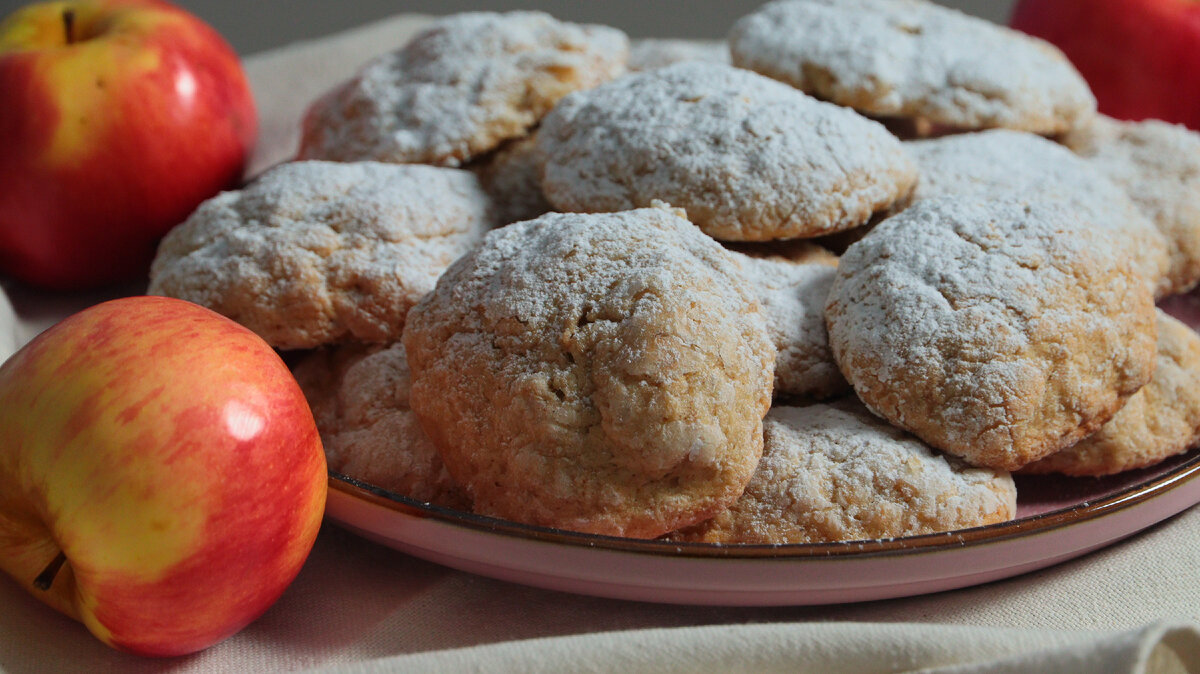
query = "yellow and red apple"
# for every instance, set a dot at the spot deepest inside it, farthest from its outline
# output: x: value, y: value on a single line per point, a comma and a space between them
x: 161, y: 475
x: 118, y: 118
x: 1141, y: 57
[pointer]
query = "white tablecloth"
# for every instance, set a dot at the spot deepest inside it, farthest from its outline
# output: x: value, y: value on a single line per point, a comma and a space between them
x: 357, y: 606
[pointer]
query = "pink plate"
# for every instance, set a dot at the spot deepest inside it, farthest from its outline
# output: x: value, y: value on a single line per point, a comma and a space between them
x: 1058, y: 518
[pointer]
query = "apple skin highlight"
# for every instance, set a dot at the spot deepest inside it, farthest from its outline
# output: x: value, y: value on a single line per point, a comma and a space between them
x: 111, y: 139
x: 172, y: 458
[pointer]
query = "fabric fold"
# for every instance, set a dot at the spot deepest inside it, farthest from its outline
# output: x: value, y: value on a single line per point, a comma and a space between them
x: 849, y: 648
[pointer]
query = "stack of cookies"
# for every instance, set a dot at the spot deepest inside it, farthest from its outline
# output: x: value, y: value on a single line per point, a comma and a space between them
x: 835, y: 279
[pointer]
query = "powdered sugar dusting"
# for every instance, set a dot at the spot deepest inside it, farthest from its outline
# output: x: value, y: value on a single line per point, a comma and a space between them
x: 793, y: 298
x: 996, y: 330
x: 359, y: 398
x: 600, y: 373
x: 1011, y: 163
x: 1158, y: 165
x: 835, y: 473
x: 460, y: 88
x: 315, y: 253
x: 913, y: 58
x: 746, y: 157
x: 1159, y: 421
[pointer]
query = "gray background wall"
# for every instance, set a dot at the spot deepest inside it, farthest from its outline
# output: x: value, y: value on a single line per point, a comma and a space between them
x: 254, y: 25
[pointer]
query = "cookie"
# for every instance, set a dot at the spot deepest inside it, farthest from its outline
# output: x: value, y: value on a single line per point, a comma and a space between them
x: 512, y: 176
x: 460, y: 88
x: 1159, y: 421
x: 837, y: 473
x: 911, y: 58
x: 798, y: 251
x: 1001, y: 162
x: 601, y: 373
x: 317, y: 253
x: 359, y: 395
x: 652, y: 53
x: 793, y: 296
x: 995, y: 330
x: 915, y: 128
x: 1158, y: 165
x: 748, y: 158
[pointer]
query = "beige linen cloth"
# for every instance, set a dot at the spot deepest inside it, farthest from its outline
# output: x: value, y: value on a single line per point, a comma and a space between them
x: 11, y: 334
x: 360, y: 607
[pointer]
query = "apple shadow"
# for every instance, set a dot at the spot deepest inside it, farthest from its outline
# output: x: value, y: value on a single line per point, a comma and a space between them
x: 347, y: 586
x: 38, y: 309
x: 35, y: 638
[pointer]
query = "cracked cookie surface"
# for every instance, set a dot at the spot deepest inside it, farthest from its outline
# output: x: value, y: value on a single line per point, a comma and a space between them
x: 995, y: 330
x: 1159, y: 421
x: 748, y: 158
x: 793, y: 296
x: 316, y: 253
x: 1158, y: 165
x: 835, y: 472
x: 914, y: 59
x: 1001, y: 163
x: 359, y: 396
x: 460, y: 88
x: 602, y: 373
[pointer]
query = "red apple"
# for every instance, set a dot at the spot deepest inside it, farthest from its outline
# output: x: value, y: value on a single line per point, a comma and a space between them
x: 118, y: 118
x: 1141, y: 57
x: 164, y: 456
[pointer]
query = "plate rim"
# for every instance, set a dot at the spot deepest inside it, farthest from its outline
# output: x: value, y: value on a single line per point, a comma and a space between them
x: 1122, y: 499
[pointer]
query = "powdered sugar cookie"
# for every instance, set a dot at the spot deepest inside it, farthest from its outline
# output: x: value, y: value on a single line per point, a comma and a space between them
x: 359, y: 398
x: 1159, y: 421
x: 1158, y: 164
x: 748, y: 158
x: 911, y: 58
x: 837, y: 473
x: 601, y: 373
x: 652, y: 53
x: 513, y: 177
x: 995, y: 330
x: 1001, y: 162
x: 316, y: 253
x: 793, y: 298
x: 460, y: 88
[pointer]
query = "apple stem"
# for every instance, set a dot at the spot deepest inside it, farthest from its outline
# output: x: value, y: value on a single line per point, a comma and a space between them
x: 69, y: 24
x: 46, y: 578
